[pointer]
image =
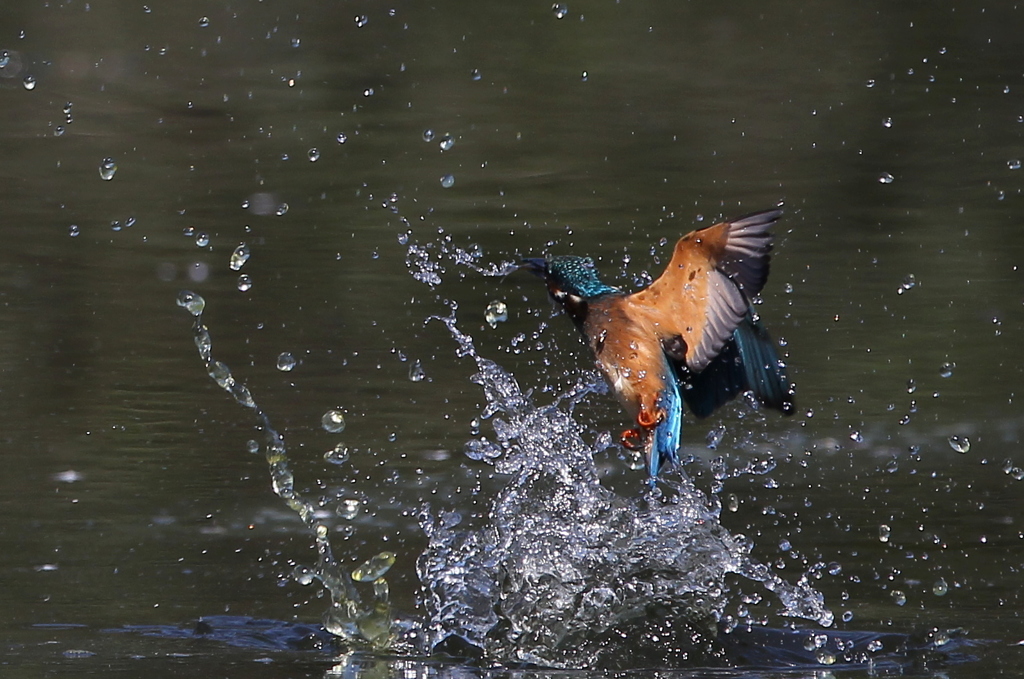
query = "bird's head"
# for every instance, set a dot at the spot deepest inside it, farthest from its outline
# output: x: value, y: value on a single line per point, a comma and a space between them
x: 572, y: 281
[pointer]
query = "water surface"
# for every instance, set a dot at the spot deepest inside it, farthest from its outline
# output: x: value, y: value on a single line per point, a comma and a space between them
x: 890, y: 132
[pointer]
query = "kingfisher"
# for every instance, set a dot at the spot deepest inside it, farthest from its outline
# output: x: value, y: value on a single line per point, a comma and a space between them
x: 690, y: 337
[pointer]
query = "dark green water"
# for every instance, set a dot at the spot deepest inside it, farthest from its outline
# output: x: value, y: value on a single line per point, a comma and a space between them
x: 687, y: 112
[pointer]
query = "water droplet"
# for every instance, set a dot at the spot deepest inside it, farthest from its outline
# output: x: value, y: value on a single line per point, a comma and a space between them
x: 847, y: 616
x: 834, y: 568
x: 940, y: 588
x: 787, y: 288
x: 77, y: 653
x: 348, y: 508
x: 361, y: 20
x: 715, y: 436
x: 204, y: 22
x: 192, y: 302
x: 428, y: 134
x: 244, y: 282
x: 732, y: 502
x: 497, y: 312
x: 874, y: 645
x: 960, y: 444
x: 115, y: 225
x: 239, y: 257
x: 202, y: 239
x: 220, y: 374
x: 560, y: 10
x: 296, y: 42
x: 416, y: 373
x: 946, y: 369
x: 107, y: 169
x: 883, y: 533
x: 870, y: 82
x: 253, y: 446
x: 584, y: 76
x: 368, y: 92
x: 856, y: 437
x: 909, y: 281
x: 447, y: 142
x: 381, y: 589
x: 898, y: 597
x: 342, y: 137
x: 448, y: 181
x: 58, y: 131
x: 887, y: 122
x: 282, y: 209
x: 29, y: 82
x: 475, y: 74
x: 375, y: 567
x: 286, y: 362
x: 885, y: 178
x: 337, y: 455
x: 333, y: 421
x: 824, y: 656
x: 303, y: 575
x: 1013, y: 164
x: 313, y: 155
x: 74, y: 231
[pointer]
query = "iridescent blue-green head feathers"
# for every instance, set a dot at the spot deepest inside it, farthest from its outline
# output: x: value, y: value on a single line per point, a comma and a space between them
x: 572, y: 283
x: 569, y: 276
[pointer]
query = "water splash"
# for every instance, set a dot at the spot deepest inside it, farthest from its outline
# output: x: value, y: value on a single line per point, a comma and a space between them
x: 562, y: 572
x: 559, y: 571
x: 425, y: 261
x: 348, y: 616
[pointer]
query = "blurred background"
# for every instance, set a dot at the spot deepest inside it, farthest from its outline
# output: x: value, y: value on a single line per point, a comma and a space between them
x: 331, y: 137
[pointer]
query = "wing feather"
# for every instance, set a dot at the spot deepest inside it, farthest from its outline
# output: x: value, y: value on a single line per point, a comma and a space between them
x: 705, y: 291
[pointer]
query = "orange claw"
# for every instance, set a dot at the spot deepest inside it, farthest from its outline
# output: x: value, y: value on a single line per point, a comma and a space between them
x: 632, y: 439
x: 637, y: 437
x: 649, y: 420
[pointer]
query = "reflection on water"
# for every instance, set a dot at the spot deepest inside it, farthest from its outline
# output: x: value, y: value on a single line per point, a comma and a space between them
x: 747, y: 652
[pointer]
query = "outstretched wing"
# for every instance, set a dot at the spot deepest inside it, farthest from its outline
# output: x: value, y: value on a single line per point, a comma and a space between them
x: 704, y: 293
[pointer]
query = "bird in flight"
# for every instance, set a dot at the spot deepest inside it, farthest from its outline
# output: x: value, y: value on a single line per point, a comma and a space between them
x: 690, y: 336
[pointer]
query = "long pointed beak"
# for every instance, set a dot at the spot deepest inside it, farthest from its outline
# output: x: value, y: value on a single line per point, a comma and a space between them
x: 537, y: 265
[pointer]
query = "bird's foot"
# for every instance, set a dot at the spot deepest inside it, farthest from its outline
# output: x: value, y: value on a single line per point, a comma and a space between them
x: 649, y: 419
x: 637, y: 438
x: 634, y: 439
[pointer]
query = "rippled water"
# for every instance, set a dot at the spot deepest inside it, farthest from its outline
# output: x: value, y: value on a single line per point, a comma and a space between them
x: 337, y: 180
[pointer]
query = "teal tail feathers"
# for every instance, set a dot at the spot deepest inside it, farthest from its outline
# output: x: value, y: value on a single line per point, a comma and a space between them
x: 749, y: 361
x: 765, y: 373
